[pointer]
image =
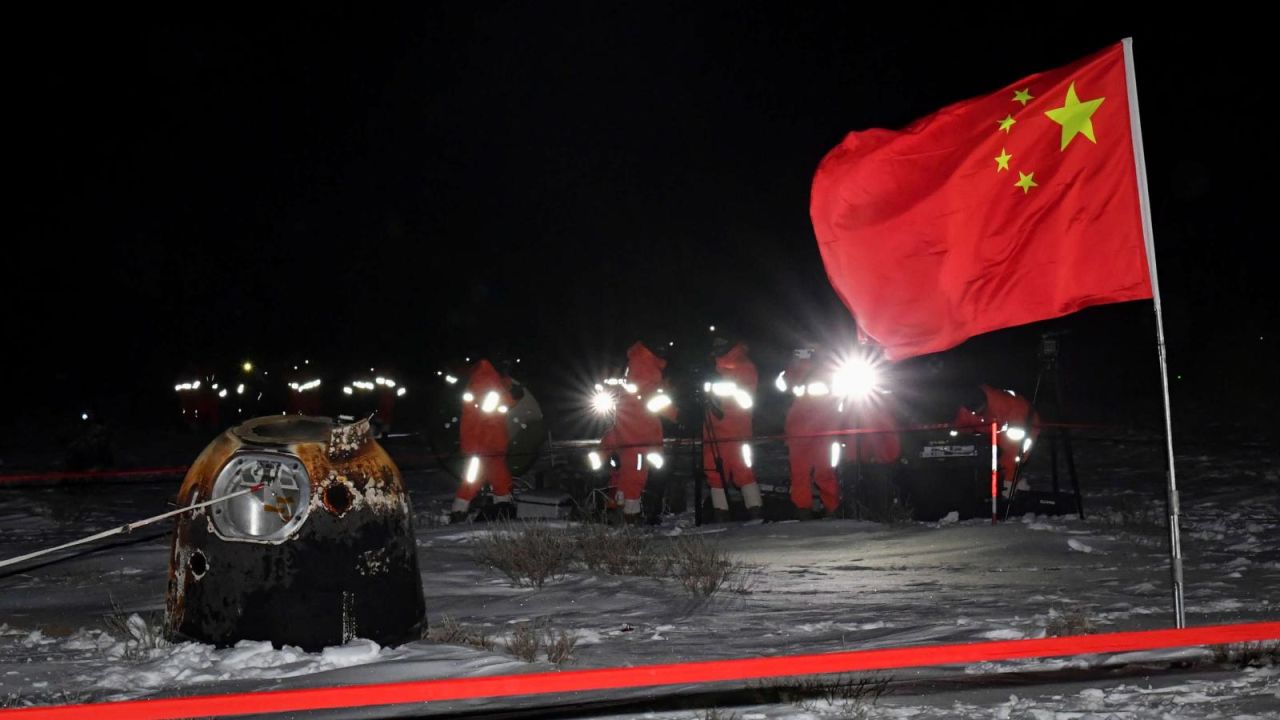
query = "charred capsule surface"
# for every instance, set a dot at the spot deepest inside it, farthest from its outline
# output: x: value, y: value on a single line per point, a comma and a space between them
x: 311, y: 545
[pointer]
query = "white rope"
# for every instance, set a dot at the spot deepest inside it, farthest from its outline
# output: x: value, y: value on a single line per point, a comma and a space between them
x: 123, y: 529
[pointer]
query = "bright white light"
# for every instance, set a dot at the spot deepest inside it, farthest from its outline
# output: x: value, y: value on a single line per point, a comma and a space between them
x: 380, y: 381
x: 658, y: 403
x: 294, y: 386
x: 954, y: 433
x: 594, y: 458
x: 240, y: 389
x: 631, y: 388
x: 400, y: 392
x: 1026, y: 445
x: 490, y: 402
x: 177, y: 388
x: 673, y: 343
x: 1012, y: 393
x: 835, y: 454
x: 215, y: 386
x: 473, y: 469
x: 744, y: 399
x: 468, y: 397
x: 346, y: 390
x: 713, y: 328
x: 856, y: 378
x: 798, y: 390
x: 818, y: 389
x: 195, y: 385
x: 723, y: 388
x: 391, y: 383
x: 602, y: 402
x: 247, y: 366
x: 84, y: 416
x: 306, y: 362
x: 746, y: 454
x: 655, y: 459
x: 1015, y: 433
x: 780, y: 382
x: 363, y: 385
x: 222, y: 392
x: 639, y: 461
x: 451, y: 379
x: 706, y: 387
x: 503, y: 409
x: 295, y: 367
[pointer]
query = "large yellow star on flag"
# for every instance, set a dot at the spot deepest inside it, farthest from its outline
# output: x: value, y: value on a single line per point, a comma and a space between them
x: 1074, y: 117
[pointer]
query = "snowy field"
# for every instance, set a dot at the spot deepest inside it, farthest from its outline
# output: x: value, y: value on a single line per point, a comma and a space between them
x: 814, y: 586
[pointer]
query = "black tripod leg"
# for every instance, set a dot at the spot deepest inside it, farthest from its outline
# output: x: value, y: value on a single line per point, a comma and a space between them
x: 1071, y: 470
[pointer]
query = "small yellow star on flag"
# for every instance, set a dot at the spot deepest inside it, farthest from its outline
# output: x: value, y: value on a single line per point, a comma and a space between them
x: 1023, y: 96
x: 1026, y: 182
x: 1007, y: 123
x: 1002, y: 160
x: 1074, y: 117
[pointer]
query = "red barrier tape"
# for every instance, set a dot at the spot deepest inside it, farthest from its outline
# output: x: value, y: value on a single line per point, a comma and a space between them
x: 177, y: 470
x: 421, y: 691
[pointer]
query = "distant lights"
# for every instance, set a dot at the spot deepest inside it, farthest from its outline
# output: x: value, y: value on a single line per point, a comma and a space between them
x: 713, y: 328
x: 84, y: 416
x: 240, y: 389
x: 222, y: 392
x: 451, y: 379
x: 346, y: 390
x: 247, y: 366
x: 400, y: 392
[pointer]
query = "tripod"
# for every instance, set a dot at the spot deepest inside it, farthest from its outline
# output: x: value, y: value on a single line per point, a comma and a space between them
x: 1050, y: 380
x: 704, y: 415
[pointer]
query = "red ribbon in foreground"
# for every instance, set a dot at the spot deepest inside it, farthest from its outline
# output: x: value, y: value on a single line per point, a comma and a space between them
x: 420, y: 691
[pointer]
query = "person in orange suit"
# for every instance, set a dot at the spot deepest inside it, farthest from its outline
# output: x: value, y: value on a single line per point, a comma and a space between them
x: 636, y: 435
x: 1017, y: 422
x: 814, y: 452
x: 726, y: 439
x: 485, y: 403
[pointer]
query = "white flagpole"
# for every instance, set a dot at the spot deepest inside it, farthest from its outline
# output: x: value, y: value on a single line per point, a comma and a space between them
x: 1175, y: 540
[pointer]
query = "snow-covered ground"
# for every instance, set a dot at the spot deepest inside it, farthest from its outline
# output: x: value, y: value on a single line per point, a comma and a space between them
x: 816, y: 586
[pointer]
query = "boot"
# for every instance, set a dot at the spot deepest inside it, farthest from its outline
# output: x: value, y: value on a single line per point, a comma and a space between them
x: 756, y: 513
x: 804, y: 514
x: 458, y: 516
x: 722, y: 516
x: 633, y: 519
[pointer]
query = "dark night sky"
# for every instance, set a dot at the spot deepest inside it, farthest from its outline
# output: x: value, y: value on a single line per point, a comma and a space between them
x: 395, y: 186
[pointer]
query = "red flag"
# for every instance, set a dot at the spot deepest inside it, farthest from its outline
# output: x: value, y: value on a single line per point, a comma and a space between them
x: 997, y: 211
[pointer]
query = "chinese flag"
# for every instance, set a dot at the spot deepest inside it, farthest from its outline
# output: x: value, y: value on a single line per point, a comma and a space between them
x: 997, y: 211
